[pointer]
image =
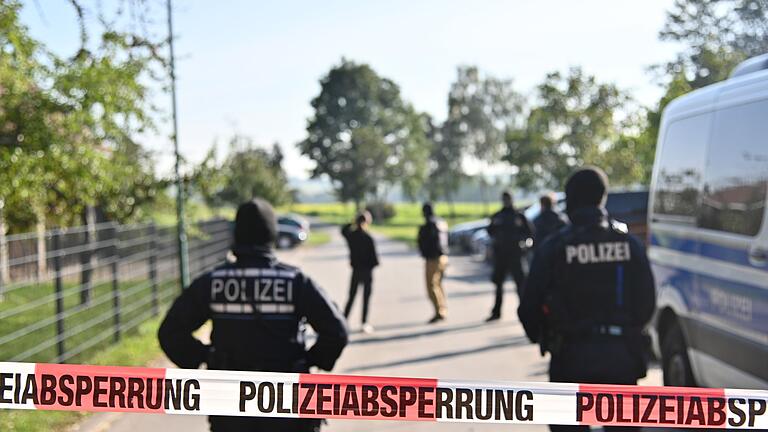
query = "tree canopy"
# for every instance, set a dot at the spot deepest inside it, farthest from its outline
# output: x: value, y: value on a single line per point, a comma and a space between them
x: 247, y: 172
x: 68, y: 127
x: 716, y: 35
x: 363, y: 134
x: 572, y: 124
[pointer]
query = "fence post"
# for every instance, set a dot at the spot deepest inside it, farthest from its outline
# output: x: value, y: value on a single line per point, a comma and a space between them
x: 86, y: 258
x: 4, y: 255
x: 115, y: 281
x: 59, y: 287
x: 153, y: 268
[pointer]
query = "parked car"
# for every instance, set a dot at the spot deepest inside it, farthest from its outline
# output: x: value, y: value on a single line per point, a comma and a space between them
x: 292, y: 230
x: 294, y: 220
x: 460, y: 235
x: 481, y: 245
x: 631, y: 208
x: 709, y: 236
x: 289, y: 236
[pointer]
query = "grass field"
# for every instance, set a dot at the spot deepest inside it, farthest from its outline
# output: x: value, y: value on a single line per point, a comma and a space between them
x: 137, y: 349
x: 29, y: 318
x: 404, y: 226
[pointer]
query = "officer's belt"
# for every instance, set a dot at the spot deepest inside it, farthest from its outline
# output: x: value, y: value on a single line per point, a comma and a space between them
x: 610, y: 330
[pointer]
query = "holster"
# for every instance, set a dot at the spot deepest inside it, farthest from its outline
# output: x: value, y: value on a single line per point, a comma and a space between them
x: 550, y: 342
x: 218, y: 359
x: 639, y: 344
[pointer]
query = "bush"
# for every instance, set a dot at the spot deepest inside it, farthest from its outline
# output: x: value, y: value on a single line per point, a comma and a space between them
x: 381, y: 211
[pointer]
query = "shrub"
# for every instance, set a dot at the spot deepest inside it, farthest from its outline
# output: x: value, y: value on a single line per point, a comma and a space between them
x: 381, y: 211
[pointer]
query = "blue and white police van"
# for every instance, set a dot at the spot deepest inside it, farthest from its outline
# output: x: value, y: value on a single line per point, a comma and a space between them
x: 708, y: 233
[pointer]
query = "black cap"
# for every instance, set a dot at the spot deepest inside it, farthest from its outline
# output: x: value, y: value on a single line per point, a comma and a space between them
x: 255, y: 224
x: 586, y: 188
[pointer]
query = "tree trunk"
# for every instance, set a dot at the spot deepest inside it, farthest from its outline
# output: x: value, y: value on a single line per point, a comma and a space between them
x: 484, y: 194
x: 42, y: 250
x: 5, y: 270
x: 452, y: 206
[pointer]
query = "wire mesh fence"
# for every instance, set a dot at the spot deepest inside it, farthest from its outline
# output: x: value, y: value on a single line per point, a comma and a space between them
x: 71, y: 292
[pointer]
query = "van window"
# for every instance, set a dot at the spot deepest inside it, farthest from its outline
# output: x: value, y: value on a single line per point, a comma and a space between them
x: 680, y: 169
x: 733, y: 197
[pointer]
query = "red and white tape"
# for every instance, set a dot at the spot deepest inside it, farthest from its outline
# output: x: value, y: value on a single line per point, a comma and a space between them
x: 265, y: 394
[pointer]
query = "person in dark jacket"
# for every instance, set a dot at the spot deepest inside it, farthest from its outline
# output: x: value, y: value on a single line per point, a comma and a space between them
x: 433, y: 244
x: 548, y: 222
x: 590, y: 294
x: 509, y: 231
x: 363, y: 259
x: 258, y: 307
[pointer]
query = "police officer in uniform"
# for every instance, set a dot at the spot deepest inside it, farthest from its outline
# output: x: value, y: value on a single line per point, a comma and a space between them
x: 590, y: 294
x: 259, y: 308
x: 548, y: 222
x: 509, y: 231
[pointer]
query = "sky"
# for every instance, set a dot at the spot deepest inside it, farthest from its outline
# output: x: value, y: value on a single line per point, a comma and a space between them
x: 252, y: 67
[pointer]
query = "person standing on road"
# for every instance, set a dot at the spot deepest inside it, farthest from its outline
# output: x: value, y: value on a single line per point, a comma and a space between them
x: 509, y: 231
x: 590, y: 294
x: 548, y: 222
x: 433, y: 244
x: 363, y: 258
x: 258, y: 307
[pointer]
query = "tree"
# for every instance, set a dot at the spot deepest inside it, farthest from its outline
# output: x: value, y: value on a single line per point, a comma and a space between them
x: 645, y: 144
x: 68, y: 127
x: 480, y: 111
x: 247, y: 172
x: 717, y: 35
x: 445, y: 170
x: 573, y: 124
x: 353, y: 97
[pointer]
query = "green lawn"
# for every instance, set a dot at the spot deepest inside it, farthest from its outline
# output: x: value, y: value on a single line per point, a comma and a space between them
x: 404, y: 226
x: 88, y: 328
x: 137, y: 349
x: 318, y: 238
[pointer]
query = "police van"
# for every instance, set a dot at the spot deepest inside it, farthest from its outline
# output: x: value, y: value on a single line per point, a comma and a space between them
x: 708, y: 239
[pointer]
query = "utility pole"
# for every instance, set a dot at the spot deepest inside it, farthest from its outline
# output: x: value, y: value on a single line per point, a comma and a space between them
x: 181, y: 223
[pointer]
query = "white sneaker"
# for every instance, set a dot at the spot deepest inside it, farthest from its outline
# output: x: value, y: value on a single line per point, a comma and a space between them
x: 367, y: 328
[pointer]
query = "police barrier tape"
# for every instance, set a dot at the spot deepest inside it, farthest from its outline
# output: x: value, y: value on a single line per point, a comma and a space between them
x: 266, y: 394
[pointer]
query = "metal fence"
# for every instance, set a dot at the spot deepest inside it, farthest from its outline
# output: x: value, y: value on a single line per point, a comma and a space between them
x: 72, y: 292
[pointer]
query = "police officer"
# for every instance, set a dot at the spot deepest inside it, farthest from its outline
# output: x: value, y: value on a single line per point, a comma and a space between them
x: 433, y: 244
x: 590, y: 294
x: 509, y: 230
x: 363, y: 259
x: 259, y: 308
x: 548, y: 222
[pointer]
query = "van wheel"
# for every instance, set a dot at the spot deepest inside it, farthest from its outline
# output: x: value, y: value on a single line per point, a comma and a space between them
x: 675, y: 362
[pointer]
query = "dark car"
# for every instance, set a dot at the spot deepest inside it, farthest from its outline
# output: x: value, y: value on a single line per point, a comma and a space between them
x: 292, y: 230
x: 294, y: 220
x: 460, y: 235
x: 631, y: 208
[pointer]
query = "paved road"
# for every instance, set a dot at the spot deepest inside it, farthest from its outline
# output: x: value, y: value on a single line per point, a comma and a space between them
x: 462, y: 347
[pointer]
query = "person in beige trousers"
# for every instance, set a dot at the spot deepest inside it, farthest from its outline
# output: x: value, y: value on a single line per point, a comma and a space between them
x: 433, y: 244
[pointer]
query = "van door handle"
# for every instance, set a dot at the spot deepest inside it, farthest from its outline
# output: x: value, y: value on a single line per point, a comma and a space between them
x: 758, y: 256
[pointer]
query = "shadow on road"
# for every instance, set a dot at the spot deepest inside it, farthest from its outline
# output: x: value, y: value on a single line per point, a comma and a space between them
x: 462, y: 294
x: 514, y: 341
x: 345, y: 256
x: 429, y: 332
